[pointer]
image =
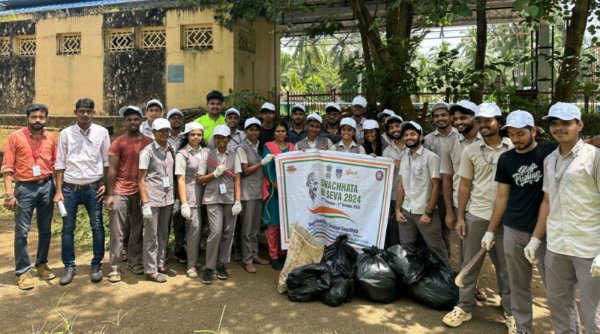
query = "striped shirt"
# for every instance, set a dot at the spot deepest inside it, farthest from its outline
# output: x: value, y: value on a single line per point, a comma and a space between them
x: 83, y: 155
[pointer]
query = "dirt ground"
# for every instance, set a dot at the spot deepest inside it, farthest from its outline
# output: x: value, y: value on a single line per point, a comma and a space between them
x: 183, y: 305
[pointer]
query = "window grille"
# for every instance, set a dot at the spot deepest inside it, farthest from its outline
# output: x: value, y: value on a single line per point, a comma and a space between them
x: 70, y: 44
x: 27, y: 46
x: 4, y: 46
x: 245, y: 40
x: 198, y: 38
x: 153, y: 39
x: 120, y: 41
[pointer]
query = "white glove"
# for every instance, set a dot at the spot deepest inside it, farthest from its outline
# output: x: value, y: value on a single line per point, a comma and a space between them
x: 176, y: 206
x: 146, y: 211
x: 186, y: 212
x: 267, y: 159
x: 531, y: 248
x: 488, y: 241
x: 237, y: 208
x: 595, y: 271
x: 219, y: 170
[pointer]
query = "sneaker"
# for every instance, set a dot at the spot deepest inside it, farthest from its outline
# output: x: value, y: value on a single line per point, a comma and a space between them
x: 181, y: 256
x: 222, y: 272
x: 511, y: 324
x: 207, y: 277
x: 277, y: 264
x: 25, y: 281
x: 456, y: 317
x: 44, y: 272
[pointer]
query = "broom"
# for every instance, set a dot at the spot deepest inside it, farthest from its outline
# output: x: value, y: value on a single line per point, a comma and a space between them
x: 213, y: 162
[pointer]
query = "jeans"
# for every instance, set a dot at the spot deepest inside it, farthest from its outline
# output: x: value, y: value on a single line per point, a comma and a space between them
x: 40, y: 198
x: 73, y: 198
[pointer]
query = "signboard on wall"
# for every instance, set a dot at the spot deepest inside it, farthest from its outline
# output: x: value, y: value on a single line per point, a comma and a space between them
x: 175, y: 74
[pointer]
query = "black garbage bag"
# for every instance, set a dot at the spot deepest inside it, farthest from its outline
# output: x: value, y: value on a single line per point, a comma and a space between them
x: 436, y: 289
x: 411, y: 267
x: 308, y: 283
x: 342, y: 291
x: 398, y: 259
x: 340, y: 256
x: 374, y: 277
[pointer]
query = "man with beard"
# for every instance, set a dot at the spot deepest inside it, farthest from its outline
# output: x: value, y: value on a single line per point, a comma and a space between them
x: 359, y: 106
x: 214, y: 103
x: 477, y: 170
x: 396, y: 151
x: 29, y: 159
x: 267, y: 129
x: 331, y: 130
x: 297, y: 130
x: 417, y: 196
x: 382, y: 117
x: 175, y: 118
x: 154, y: 110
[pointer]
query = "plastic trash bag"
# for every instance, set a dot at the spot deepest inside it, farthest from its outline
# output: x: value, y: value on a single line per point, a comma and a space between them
x: 436, y: 289
x: 342, y: 291
x: 374, y: 276
x: 308, y: 283
x: 304, y: 249
x: 398, y: 259
x: 411, y: 267
x: 340, y: 256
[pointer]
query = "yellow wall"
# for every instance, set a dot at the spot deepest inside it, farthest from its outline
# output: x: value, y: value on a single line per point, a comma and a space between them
x: 60, y: 80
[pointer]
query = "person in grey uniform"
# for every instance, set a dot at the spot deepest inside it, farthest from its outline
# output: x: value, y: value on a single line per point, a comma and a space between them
x: 251, y: 162
x: 157, y: 192
x: 348, y: 130
x: 222, y: 195
x: 154, y: 110
x: 358, y: 108
x: 314, y: 139
x: 396, y: 151
x: 417, y: 194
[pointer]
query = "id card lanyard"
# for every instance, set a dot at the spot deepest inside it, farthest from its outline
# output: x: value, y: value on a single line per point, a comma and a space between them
x: 166, y: 181
x: 222, y: 187
x: 558, y: 176
x: 36, y: 154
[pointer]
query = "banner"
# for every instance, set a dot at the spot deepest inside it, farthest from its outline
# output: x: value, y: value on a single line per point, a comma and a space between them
x: 332, y: 193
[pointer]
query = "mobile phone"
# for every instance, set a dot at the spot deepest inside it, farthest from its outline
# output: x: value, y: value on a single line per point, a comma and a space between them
x: 17, y: 208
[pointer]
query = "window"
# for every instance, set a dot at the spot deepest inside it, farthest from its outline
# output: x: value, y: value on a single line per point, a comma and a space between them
x: 119, y: 40
x: 246, y: 40
x: 4, y: 46
x: 69, y: 44
x: 197, y: 38
x: 153, y: 38
x: 26, y: 45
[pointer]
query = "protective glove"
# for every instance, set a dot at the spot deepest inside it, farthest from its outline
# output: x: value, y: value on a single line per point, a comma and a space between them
x: 237, y: 208
x: 146, y: 211
x: 186, y: 212
x: 595, y: 271
x: 267, y: 159
x: 176, y: 206
x: 219, y: 170
x: 531, y: 248
x: 487, y: 241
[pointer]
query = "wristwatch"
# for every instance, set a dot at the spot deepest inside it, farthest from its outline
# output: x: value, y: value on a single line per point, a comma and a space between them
x: 9, y: 198
x: 429, y: 214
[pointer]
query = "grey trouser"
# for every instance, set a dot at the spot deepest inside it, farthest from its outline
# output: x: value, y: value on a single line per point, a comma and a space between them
x: 250, y: 226
x: 459, y: 243
x: 178, y: 231
x: 520, y: 274
x: 193, y: 237
x: 446, y: 232
x: 431, y: 234
x: 125, y: 220
x: 156, y: 237
x: 222, y: 224
x: 237, y: 236
x: 475, y: 230
x: 563, y: 274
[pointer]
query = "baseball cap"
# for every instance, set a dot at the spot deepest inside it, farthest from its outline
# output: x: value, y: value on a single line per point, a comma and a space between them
x: 348, y: 121
x: 370, y: 125
x: 396, y: 117
x: 124, y: 109
x: 251, y: 121
x: 160, y: 123
x: 221, y: 130
x: 463, y: 104
x: 267, y: 106
x: 519, y: 119
x: 173, y: 112
x: 333, y: 105
x: 413, y: 124
x: 232, y: 111
x: 385, y: 112
x: 564, y: 111
x: 191, y: 127
x: 314, y: 116
x: 488, y: 110
x: 440, y: 105
x: 298, y: 106
x: 154, y: 102
x: 359, y: 101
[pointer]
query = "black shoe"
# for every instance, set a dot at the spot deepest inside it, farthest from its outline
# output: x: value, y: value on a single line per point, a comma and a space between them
x: 207, y: 277
x: 181, y: 256
x: 283, y: 257
x: 96, y: 275
x: 67, y: 277
x: 222, y: 272
x: 277, y: 264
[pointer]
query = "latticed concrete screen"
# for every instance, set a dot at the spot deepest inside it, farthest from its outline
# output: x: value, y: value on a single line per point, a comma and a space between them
x: 153, y: 39
x: 70, y: 44
x: 120, y: 41
x: 4, y: 46
x: 27, y: 46
x: 246, y: 40
x: 198, y: 38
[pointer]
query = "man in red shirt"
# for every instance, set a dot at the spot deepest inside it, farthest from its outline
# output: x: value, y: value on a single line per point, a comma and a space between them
x: 29, y: 159
x: 123, y: 197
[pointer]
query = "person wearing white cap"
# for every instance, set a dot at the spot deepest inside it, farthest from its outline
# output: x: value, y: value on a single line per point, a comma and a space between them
x: 267, y: 130
x: 297, y: 130
x: 187, y: 160
x: 157, y: 191
x: 232, y: 120
x: 154, y: 110
x: 348, y: 131
x: 477, y: 170
x: 569, y: 217
x: 374, y: 146
x: 359, y: 106
x: 213, y: 117
x: 314, y: 138
x: 123, y: 197
x: 382, y: 117
x: 416, y: 199
x: 175, y: 118
x: 333, y: 113
x: 222, y: 197
x: 252, y: 164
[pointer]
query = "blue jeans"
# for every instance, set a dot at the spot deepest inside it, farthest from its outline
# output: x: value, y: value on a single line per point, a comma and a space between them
x: 40, y: 198
x: 73, y: 198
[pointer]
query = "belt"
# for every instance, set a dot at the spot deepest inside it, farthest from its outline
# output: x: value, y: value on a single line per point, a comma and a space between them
x: 41, y: 181
x: 87, y: 186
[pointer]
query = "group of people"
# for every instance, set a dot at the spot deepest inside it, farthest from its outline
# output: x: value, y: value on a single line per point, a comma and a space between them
x: 528, y: 204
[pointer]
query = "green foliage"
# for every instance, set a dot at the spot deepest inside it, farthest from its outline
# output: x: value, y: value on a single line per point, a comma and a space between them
x: 317, y: 87
x: 244, y: 101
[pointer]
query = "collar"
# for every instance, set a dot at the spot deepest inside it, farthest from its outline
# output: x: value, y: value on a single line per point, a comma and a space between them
x: 44, y: 134
x: 452, y: 130
x: 341, y: 143
x: 461, y: 137
x: 505, y: 141
x: 419, y: 151
x: 145, y: 124
x: 191, y: 149
x: 255, y: 146
x: 574, y: 151
x: 291, y: 128
x: 160, y: 148
x: 81, y: 130
x: 362, y: 120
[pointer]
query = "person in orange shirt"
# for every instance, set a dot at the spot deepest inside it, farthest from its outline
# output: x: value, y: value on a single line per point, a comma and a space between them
x: 29, y: 159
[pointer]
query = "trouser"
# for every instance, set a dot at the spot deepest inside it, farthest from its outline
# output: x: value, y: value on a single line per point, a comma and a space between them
x: 392, y: 235
x: 563, y: 274
x: 274, y: 239
x: 250, y: 226
x: 446, y: 232
x: 459, y: 243
x: 431, y: 234
x: 222, y: 225
x: 178, y: 231
x: 73, y: 198
x: 475, y: 230
x: 126, y: 219
x: 520, y: 274
x: 126, y: 237
x: 40, y: 198
x: 237, y: 238
x: 156, y: 237
x: 193, y: 237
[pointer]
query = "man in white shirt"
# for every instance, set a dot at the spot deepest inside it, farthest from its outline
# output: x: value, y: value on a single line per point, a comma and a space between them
x: 154, y: 110
x: 81, y: 164
x: 175, y: 118
x: 396, y: 151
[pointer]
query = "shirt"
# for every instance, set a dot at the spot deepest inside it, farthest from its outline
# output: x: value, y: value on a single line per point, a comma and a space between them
x: 18, y: 156
x: 202, y: 166
x: 145, y: 156
x: 395, y: 153
x: 266, y: 135
x: 235, y: 140
x: 361, y: 150
x: 524, y: 173
x: 181, y: 162
x: 385, y: 138
x: 335, y: 138
x: 451, y: 161
x: 242, y: 153
x: 174, y: 141
x: 436, y: 141
x: 128, y: 151
x: 478, y: 163
x: 209, y: 125
x: 293, y: 136
x: 360, y: 133
x: 146, y: 130
x: 573, y: 185
x: 83, y: 155
x: 416, y: 172
x: 313, y: 144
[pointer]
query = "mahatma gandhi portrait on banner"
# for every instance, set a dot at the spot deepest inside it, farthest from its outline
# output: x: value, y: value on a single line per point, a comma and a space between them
x: 313, y: 185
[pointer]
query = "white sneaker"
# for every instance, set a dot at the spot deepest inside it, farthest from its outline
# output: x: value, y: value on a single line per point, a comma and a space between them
x: 456, y: 317
x: 511, y: 324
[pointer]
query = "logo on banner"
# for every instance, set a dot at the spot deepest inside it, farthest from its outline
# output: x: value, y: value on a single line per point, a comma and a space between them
x: 291, y: 169
x: 338, y: 172
x: 379, y: 175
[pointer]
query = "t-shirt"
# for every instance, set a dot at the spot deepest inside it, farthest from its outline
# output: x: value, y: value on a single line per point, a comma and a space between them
x: 524, y: 172
x: 209, y: 125
x: 266, y: 135
x: 128, y: 151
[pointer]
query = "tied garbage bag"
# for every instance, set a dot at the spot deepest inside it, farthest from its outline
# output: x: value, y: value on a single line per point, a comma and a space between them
x: 304, y: 249
x: 340, y: 256
x: 342, y: 291
x: 308, y: 283
x: 398, y: 259
x: 411, y: 267
x: 437, y: 289
x: 374, y: 276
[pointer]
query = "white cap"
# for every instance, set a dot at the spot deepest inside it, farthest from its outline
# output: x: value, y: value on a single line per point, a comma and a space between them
x: 440, y: 105
x: 564, y: 111
x: 394, y: 117
x: 488, y: 110
x: 359, y: 101
x: 251, y: 121
x: 221, y: 130
x: 314, y: 116
x: 161, y: 123
x: 134, y: 108
x: 173, y: 112
x: 154, y: 102
x: 370, y: 125
x: 466, y: 104
x: 333, y: 105
x: 191, y: 127
x: 267, y: 106
x: 385, y: 112
x: 519, y: 119
x: 348, y: 121
x: 415, y: 124
x: 232, y: 111
x: 298, y: 106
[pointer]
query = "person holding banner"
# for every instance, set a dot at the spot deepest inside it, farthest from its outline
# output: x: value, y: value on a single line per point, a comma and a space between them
x: 396, y: 151
x: 271, y: 205
x: 374, y: 145
x: 348, y: 130
x: 313, y: 139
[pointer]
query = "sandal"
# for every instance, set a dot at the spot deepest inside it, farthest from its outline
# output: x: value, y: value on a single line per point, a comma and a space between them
x: 124, y: 256
x: 192, y: 273
x: 480, y: 295
x: 114, y: 276
x: 160, y: 278
x: 137, y: 269
x: 169, y: 272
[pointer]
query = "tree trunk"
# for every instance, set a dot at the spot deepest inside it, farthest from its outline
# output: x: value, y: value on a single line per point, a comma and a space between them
x: 475, y: 93
x: 312, y: 73
x: 368, y: 61
x: 569, y: 67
